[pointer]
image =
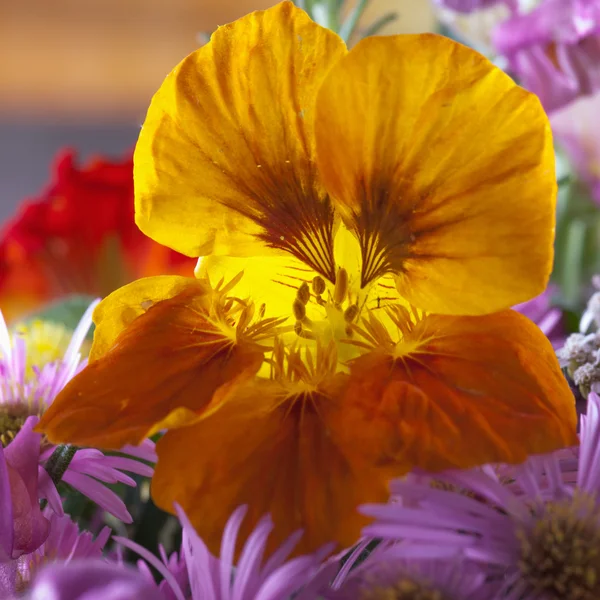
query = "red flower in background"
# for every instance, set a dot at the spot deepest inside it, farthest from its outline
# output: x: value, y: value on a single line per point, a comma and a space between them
x: 78, y: 236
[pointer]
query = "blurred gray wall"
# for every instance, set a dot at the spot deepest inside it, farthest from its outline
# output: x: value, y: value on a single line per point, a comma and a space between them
x: 27, y: 150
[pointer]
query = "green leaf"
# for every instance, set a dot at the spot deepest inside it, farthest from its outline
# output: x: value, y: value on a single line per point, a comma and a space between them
x: 577, y: 244
x: 349, y: 25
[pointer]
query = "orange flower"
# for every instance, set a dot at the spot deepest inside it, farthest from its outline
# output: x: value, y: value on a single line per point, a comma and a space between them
x: 339, y: 199
x: 79, y: 236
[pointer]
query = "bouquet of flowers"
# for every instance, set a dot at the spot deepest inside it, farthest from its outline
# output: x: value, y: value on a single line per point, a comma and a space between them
x: 331, y: 333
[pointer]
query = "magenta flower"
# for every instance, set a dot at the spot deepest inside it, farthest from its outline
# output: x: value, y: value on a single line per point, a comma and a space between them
x: 212, y: 578
x: 23, y: 528
x: 548, y: 318
x: 26, y: 390
x: 554, y: 49
x: 540, y: 534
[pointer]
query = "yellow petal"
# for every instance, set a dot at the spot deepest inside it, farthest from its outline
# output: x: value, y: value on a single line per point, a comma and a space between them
x: 127, y: 303
x: 458, y: 392
x: 272, y: 281
x: 444, y: 167
x: 225, y: 162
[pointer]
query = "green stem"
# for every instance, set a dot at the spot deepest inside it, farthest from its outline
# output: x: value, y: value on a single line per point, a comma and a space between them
x: 334, y: 15
x: 379, y: 24
x: 349, y: 25
x: 59, y: 462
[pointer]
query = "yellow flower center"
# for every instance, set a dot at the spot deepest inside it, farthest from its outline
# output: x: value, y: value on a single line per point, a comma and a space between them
x: 345, y: 311
x: 332, y: 311
x: 560, y: 555
x: 11, y: 422
x: 46, y: 342
x: 404, y: 589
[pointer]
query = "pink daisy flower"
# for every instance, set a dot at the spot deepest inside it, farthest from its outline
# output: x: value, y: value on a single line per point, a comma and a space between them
x: 27, y: 389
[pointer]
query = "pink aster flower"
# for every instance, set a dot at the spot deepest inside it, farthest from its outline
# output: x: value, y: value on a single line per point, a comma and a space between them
x: 398, y: 571
x: 554, y: 49
x: 540, y: 535
x: 577, y: 129
x: 547, y: 317
x: 27, y: 389
x: 473, y: 21
x: 210, y: 578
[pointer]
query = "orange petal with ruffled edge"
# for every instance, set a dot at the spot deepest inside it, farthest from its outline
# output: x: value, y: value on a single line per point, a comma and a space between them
x: 274, y: 453
x: 444, y: 167
x: 225, y: 161
x: 459, y: 392
x: 160, y: 372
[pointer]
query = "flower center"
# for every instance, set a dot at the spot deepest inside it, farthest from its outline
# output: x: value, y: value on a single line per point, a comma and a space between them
x: 339, y: 308
x: 404, y: 589
x: 560, y: 555
x: 11, y: 422
x: 45, y: 342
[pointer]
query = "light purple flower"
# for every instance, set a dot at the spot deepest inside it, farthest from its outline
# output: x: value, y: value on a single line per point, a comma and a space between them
x: 466, y: 6
x: 540, y: 535
x: 548, y: 318
x: 577, y: 129
x: 554, y: 49
x: 24, y: 394
x: 212, y: 578
x: 92, y: 580
x: 473, y: 21
x: 396, y: 571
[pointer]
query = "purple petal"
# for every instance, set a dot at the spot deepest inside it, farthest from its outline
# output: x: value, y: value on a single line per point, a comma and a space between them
x: 466, y: 6
x: 47, y: 490
x: 247, y: 573
x: 7, y: 532
x: 8, y: 578
x: 98, y: 493
x: 202, y: 567
x: 155, y: 562
x: 92, y: 580
x: 228, y: 543
x: 22, y: 455
x: 145, y: 451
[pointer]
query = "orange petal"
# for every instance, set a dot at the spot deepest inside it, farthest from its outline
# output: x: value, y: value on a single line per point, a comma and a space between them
x: 460, y: 392
x: 274, y: 453
x: 225, y: 159
x: 161, y: 371
x: 124, y: 305
x: 444, y: 167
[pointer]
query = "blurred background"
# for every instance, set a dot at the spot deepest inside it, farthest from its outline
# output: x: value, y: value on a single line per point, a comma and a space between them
x: 81, y: 73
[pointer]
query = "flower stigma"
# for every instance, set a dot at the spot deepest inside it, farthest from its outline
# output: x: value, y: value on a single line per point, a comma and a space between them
x: 337, y: 311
